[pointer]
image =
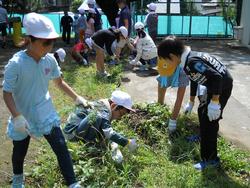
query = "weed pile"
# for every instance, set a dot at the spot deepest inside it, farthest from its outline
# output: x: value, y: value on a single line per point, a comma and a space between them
x: 162, y: 160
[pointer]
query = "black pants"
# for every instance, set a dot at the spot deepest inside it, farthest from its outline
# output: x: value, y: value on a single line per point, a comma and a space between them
x: 144, y: 62
x: 209, y: 129
x: 3, y: 29
x: 153, y: 35
x: 66, y: 35
x: 58, y: 145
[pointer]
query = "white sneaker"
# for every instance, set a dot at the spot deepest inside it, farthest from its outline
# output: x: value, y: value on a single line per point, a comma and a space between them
x: 172, y: 125
x: 135, y: 63
x: 116, y: 153
x: 85, y: 63
x: 104, y: 74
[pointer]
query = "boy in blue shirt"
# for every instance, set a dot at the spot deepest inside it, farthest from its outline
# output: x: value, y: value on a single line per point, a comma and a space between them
x: 93, y: 123
x: 25, y: 92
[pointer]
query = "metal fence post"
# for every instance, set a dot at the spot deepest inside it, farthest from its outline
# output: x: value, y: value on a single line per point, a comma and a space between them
x: 168, y: 17
x: 190, y: 21
x: 208, y: 23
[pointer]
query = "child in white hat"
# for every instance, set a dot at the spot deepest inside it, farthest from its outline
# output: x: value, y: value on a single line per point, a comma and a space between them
x: 90, y: 23
x: 98, y: 16
x: 151, y: 21
x: 26, y: 94
x: 107, y: 41
x: 93, y: 124
x: 81, y: 24
x: 60, y: 55
x: 145, y: 48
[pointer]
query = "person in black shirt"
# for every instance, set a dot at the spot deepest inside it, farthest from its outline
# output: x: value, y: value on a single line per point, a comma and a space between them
x: 66, y: 23
x: 124, y: 15
x: 107, y: 41
x: 206, y: 70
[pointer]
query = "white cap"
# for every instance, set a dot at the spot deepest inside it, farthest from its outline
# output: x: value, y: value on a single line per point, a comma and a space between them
x: 1, y: 3
x: 61, y: 54
x: 91, y: 2
x: 39, y: 26
x: 81, y: 10
x: 139, y: 25
x: 122, y: 99
x: 152, y: 6
x: 91, y: 10
x: 124, y: 31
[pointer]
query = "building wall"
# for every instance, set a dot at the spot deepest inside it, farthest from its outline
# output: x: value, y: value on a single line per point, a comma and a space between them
x: 245, y: 15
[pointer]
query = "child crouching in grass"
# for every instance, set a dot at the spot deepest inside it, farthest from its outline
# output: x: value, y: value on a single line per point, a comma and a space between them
x: 145, y: 48
x: 79, y: 53
x: 92, y: 123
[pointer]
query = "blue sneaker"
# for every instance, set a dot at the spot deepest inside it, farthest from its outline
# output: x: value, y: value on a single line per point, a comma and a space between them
x: 112, y: 62
x: 18, y: 181
x: 204, y: 164
x: 193, y: 138
x: 75, y: 185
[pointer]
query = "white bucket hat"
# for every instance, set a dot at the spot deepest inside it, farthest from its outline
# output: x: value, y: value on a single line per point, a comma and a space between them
x: 39, y: 26
x: 122, y: 99
x: 139, y: 25
x: 84, y: 7
x: 81, y: 11
x: 124, y: 31
x: 61, y: 54
x: 152, y: 6
x: 91, y: 2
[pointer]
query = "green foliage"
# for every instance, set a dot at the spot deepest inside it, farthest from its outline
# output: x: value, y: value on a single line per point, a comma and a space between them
x: 162, y: 160
x: 228, y: 11
x: 75, y: 5
x: 187, y: 7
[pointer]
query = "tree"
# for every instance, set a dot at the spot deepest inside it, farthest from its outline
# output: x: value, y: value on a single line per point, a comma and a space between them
x: 75, y: 5
x: 228, y: 11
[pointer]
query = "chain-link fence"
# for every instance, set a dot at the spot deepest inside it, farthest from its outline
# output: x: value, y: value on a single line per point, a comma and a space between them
x: 191, y: 19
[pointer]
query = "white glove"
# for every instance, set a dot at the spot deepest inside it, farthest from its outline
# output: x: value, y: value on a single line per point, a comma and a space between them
x: 132, y: 62
x: 135, y: 63
x: 81, y: 101
x: 20, y: 124
x: 131, y: 40
x: 115, y: 58
x: 213, y: 111
x: 132, y: 146
x: 189, y: 107
x: 172, y: 125
x: 116, y: 153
